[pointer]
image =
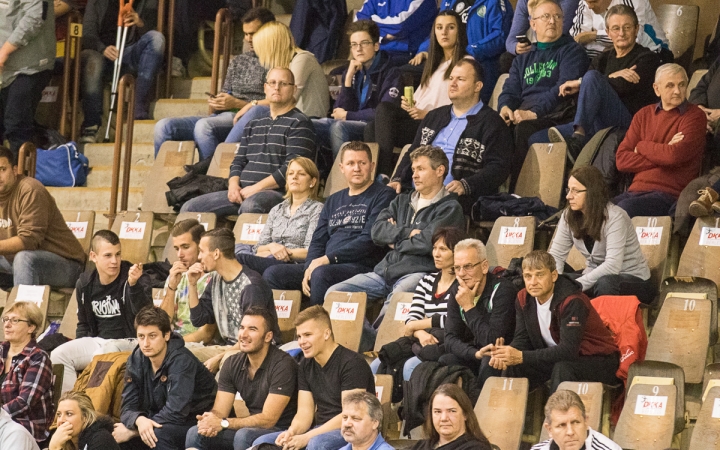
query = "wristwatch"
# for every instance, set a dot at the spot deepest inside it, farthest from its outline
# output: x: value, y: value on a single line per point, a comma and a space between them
x: 254, y: 102
x: 224, y: 424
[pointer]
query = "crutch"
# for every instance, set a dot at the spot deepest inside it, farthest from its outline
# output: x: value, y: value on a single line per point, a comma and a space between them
x: 120, y: 41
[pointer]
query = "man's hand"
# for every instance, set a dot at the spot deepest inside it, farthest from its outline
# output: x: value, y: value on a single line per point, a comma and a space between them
x: 456, y: 187
x: 414, y: 232
x: 395, y: 185
x: 465, y: 296
x: 353, y: 67
x: 213, y: 364
x: 509, y: 356
x: 485, y: 351
x: 223, y: 102
x: 235, y: 193
x: 425, y: 338
x: 249, y: 191
x: 339, y: 114
x: 713, y: 115
x: 521, y: 115
x: 209, y: 424
x: 111, y: 52
x: 521, y: 48
x: 317, y: 262
x: 418, y: 59
x: 296, y: 442
x: 677, y: 138
x: 121, y: 433
x: 241, y: 113
x: 507, y: 115
x: 178, y: 268
x: 61, y: 436
x: 194, y: 273
x: 570, y: 87
x: 627, y: 74
x: 133, y: 18
x: 279, y: 251
x: 146, y: 429
x: 586, y: 37
x: 135, y: 273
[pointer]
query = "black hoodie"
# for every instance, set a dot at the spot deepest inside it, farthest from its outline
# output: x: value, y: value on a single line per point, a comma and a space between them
x: 98, y: 436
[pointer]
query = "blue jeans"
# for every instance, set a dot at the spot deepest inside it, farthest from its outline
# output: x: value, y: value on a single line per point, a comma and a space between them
x: 227, y: 439
x: 650, y: 203
x: 332, y: 134
x: 256, y: 112
x: 332, y: 440
x: 145, y: 57
x: 42, y: 267
x: 218, y: 203
x: 207, y: 132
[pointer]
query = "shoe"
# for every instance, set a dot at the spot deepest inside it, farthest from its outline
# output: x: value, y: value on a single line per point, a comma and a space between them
x: 575, y: 143
x: 89, y: 135
x: 178, y: 70
x: 716, y: 207
x: 705, y: 204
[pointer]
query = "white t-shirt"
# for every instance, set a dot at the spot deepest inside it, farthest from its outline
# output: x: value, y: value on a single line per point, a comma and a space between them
x: 423, y: 202
x: 435, y: 94
x: 544, y: 318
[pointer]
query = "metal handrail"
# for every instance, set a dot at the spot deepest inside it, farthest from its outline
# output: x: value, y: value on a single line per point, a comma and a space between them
x: 27, y: 159
x: 126, y: 92
x: 169, y: 39
x: 72, y: 58
x: 224, y: 30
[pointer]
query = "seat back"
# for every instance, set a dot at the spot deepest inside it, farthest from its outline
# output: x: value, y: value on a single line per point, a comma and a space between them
x: 706, y: 433
x: 654, y: 237
x: 500, y: 410
x: 592, y: 395
x: 383, y: 392
x: 658, y: 372
x: 40, y: 295
x: 248, y: 228
x: 402, y: 154
x: 222, y: 159
x: 695, y: 79
x: 169, y: 162
x: 497, y: 90
x: 391, y: 328
x: 694, y: 286
x: 68, y: 326
x: 347, y: 311
x: 207, y: 220
x: 575, y: 259
x: 646, y: 420
x: 58, y: 376
x: 542, y: 173
x: 679, y: 22
x: 511, y: 237
x: 701, y: 255
x: 134, y: 228
x: 81, y: 223
x: 287, y: 306
x: 336, y: 181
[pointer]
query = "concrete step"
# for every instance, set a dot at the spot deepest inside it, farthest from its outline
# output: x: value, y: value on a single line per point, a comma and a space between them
x: 102, y: 154
x: 179, y: 108
x: 193, y: 88
x: 144, y: 131
x: 101, y: 176
x: 91, y: 198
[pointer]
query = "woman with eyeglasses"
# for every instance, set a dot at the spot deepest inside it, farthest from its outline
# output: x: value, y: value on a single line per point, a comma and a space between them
x: 25, y: 371
x: 80, y: 427
x: 603, y: 233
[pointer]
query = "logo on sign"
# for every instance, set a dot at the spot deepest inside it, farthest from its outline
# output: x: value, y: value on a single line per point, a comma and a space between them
x: 251, y: 232
x: 710, y: 236
x: 651, y: 405
x: 402, y: 312
x: 512, y: 235
x: 79, y: 229
x: 343, y: 311
x: 649, y: 235
x: 283, y: 308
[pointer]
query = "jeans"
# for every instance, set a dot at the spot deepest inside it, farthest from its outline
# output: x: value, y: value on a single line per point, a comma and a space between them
x: 77, y: 354
x: 332, y: 134
x: 256, y: 112
x: 241, y: 439
x: 144, y: 56
x: 207, y: 132
x: 18, y: 102
x: 649, y: 203
x: 42, y: 267
x: 332, y: 440
x: 170, y: 437
x: 218, y: 203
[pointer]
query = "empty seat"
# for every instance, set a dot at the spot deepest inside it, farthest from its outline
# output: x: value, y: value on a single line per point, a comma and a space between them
x: 207, y: 220
x: 81, y: 223
x: 693, y: 286
x: 393, y: 324
x: 347, y: 312
x: 337, y: 182
x: 653, y: 372
x: 511, y: 237
x: 679, y: 22
x: 706, y: 434
x: 68, y: 326
x: 400, y: 157
x: 222, y: 159
x: 134, y: 228
x: 169, y: 162
x: 654, y: 237
x: 287, y: 306
x: 701, y: 255
x: 248, y: 228
x: 40, y: 295
x: 542, y: 173
x: 500, y: 410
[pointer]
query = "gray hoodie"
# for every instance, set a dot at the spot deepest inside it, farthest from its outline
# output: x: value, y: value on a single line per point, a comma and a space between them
x: 30, y: 26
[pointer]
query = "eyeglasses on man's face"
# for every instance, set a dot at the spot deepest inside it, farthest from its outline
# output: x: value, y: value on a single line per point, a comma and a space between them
x: 356, y: 45
x: 466, y: 267
x: 280, y: 84
x: 546, y: 17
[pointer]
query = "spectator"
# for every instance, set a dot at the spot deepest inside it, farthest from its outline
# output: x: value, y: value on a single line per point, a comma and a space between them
x: 165, y: 387
x: 530, y: 99
x: 558, y: 334
x: 317, y: 26
x: 395, y: 126
x: 362, y: 417
x: 566, y: 423
x: 480, y: 310
x: 231, y: 290
x: 267, y: 146
x: 618, y: 85
x: 404, y: 25
x: 266, y: 379
x: 286, y: 236
x: 243, y: 84
x: 79, y: 426
x: 604, y: 235
x: 27, y: 57
x: 707, y: 96
x: 108, y: 298
x: 143, y: 53
x: 26, y: 379
x: 451, y: 423
x: 590, y: 28
x: 472, y: 136
x: 14, y: 435
x: 341, y: 245
x: 663, y: 148
x: 521, y: 24
x: 275, y: 47
x: 36, y: 246
x: 327, y: 375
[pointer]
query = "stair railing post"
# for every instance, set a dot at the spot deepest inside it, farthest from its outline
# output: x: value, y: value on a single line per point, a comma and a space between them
x: 27, y: 159
x: 126, y: 88
x: 72, y: 62
x: 221, y: 46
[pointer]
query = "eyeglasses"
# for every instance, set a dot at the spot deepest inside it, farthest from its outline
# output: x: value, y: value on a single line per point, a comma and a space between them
x: 466, y: 267
x: 624, y: 29
x: 13, y: 320
x: 546, y: 17
x: 355, y: 45
x: 281, y: 84
x: 574, y: 192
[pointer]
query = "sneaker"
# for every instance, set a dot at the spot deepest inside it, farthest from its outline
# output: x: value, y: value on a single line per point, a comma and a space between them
x: 89, y: 135
x: 178, y: 70
x: 705, y: 204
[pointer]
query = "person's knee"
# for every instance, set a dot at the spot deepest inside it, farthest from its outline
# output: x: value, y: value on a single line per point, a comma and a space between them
x: 274, y: 276
x: 192, y: 438
x: 157, y: 42
x: 607, y: 285
x: 203, y: 128
x: 592, y: 77
x: 243, y: 439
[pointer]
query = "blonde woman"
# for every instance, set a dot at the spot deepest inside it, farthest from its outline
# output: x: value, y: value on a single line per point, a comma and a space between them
x: 275, y: 47
x: 80, y: 427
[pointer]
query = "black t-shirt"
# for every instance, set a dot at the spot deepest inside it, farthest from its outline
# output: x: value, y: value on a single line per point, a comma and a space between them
x: 108, y: 29
x: 276, y: 375
x: 344, y: 371
x: 106, y: 302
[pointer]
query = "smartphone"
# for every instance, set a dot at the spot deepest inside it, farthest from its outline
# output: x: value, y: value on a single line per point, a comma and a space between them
x: 523, y: 39
x: 209, y: 95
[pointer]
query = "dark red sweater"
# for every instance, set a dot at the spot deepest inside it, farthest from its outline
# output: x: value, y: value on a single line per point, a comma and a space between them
x: 658, y: 166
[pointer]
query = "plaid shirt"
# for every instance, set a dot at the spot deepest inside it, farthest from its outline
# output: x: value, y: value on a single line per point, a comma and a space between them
x: 26, y: 393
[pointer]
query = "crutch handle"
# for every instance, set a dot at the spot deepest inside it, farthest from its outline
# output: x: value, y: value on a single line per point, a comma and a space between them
x: 125, y: 8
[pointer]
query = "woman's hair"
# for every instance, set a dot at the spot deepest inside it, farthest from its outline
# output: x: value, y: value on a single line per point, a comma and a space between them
x: 449, y: 235
x: 274, y: 45
x: 30, y: 312
x: 87, y: 411
x: 456, y: 393
x: 311, y: 169
x: 589, y: 223
x: 436, y: 52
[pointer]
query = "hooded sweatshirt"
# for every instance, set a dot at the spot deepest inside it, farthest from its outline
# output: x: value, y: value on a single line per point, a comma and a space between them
x: 98, y: 436
x: 409, y: 21
x: 413, y: 254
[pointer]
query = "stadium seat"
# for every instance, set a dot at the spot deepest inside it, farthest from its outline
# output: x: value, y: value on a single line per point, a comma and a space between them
x: 207, y: 220
x: 511, y: 237
x: 701, y: 255
x: 652, y: 372
x: 680, y: 23
x: 383, y: 391
x: 347, y: 312
x: 597, y: 405
x: 248, y: 228
x: 135, y: 231
x: 542, y: 173
x: 646, y: 420
x: 222, y: 159
x: 654, y: 237
x: 68, y: 326
x: 169, y: 162
x: 677, y: 286
x: 82, y: 224
x: 391, y: 328
x: 574, y: 259
x: 695, y: 79
x: 497, y: 90
x: 40, y: 295
x: 336, y: 181
x: 287, y: 306
x: 57, y: 377
x: 500, y: 410
x: 706, y: 433
x: 400, y: 157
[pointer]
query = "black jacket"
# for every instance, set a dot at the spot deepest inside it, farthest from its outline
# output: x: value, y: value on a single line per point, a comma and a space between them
x: 98, y: 436
x: 95, y: 14
x: 134, y: 299
x: 707, y: 91
x: 464, y: 442
x: 483, y: 154
x: 180, y: 390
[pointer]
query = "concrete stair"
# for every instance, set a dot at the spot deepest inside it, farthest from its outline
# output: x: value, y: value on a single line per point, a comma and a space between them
x: 174, y: 107
x: 192, y: 88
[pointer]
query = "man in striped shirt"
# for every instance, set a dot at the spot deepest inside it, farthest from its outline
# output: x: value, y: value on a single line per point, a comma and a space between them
x: 257, y: 174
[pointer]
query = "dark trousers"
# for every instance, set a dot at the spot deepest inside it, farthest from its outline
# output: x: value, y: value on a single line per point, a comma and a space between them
x: 648, y: 203
x: 170, y: 437
x: 260, y: 264
x: 600, y: 368
x: 392, y: 127
x: 18, y: 102
x: 290, y: 276
x: 522, y: 133
x: 621, y: 284
x: 482, y: 368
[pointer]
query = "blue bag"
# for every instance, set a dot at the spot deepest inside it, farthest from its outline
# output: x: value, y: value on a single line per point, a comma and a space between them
x: 62, y: 166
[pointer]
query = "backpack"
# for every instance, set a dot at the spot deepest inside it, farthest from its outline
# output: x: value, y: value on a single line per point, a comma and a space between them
x: 490, y: 207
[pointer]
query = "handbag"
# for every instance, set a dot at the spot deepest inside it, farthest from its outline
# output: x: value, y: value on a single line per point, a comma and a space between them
x: 62, y: 166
